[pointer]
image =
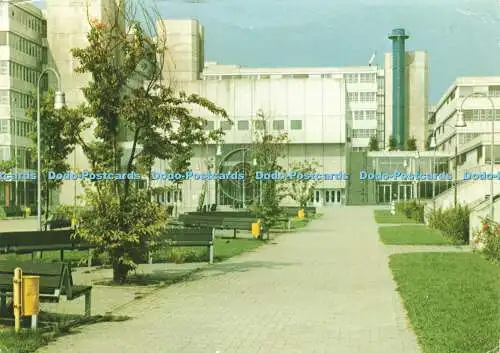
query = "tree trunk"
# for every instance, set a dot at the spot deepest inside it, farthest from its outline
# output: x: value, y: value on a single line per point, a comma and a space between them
x: 120, y: 271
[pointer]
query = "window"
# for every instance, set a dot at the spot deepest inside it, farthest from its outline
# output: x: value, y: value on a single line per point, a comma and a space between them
x: 243, y: 125
x: 358, y: 115
x: 353, y: 96
x: 260, y: 125
x: 296, y: 124
x: 370, y: 115
x: 4, y: 97
x: 209, y: 125
x: 494, y: 91
x: 4, y: 67
x: 278, y: 125
x: 364, y: 133
x: 367, y: 97
x: 226, y: 125
x: 44, y: 29
x: 4, y: 126
x: 368, y: 78
x: 351, y: 78
x: 3, y: 38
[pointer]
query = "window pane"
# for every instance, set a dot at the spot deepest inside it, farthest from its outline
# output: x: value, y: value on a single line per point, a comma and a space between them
x: 226, y: 125
x: 243, y: 125
x: 296, y: 124
x: 278, y: 125
x: 209, y: 125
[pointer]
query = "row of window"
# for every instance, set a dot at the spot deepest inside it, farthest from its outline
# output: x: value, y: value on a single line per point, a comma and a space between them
x: 20, y: 72
x: 464, y: 138
x: 494, y: 91
x: 244, y: 125
x: 28, y: 20
x: 27, y: 47
x: 362, y: 97
x: 16, y: 99
x: 364, y: 115
x: 481, y: 114
x: 363, y: 133
x: 24, y: 128
x: 360, y: 78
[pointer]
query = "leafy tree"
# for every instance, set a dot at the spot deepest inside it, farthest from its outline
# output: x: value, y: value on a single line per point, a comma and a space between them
x: 373, y: 145
x: 57, y: 142
x: 6, y: 166
x: 158, y: 120
x: 393, y: 143
x: 302, y: 189
x: 411, y: 144
x: 267, y: 149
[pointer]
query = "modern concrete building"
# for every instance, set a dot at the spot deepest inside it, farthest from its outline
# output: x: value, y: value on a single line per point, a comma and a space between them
x: 23, y: 54
x: 479, y: 100
x: 326, y: 111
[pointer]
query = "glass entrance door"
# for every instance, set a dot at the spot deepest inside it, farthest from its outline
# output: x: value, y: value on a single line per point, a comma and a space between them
x: 384, y: 193
x: 405, y: 192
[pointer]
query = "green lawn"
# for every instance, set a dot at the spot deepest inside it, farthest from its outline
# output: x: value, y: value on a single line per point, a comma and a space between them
x: 383, y: 216
x: 411, y: 235
x: 24, y: 342
x: 452, y: 300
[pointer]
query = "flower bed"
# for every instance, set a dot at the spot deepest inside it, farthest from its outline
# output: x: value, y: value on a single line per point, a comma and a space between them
x: 487, y: 239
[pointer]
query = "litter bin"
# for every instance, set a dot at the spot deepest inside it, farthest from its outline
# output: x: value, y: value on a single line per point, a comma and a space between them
x: 31, y: 295
x: 256, y: 229
x: 301, y: 213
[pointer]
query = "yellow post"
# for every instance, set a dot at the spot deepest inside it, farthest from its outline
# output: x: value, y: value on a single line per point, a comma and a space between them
x: 301, y: 214
x: 17, y: 297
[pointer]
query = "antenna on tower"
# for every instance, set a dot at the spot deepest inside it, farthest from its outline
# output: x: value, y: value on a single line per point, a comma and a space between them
x: 372, y: 59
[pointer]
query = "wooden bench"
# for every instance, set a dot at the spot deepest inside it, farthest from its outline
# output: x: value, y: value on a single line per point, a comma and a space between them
x: 58, y: 222
x: 238, y: 224
x: 56, y: 280
x: 185, y: 237
x: 29, y: 242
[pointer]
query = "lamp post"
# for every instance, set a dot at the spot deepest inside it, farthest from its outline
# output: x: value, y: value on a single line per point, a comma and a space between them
x: 405, y: 166
x: 260, y: 182
x: 59, y: 103
x: 218, y: 155
x: 492, y: 154
x: 433, y: 146
x: 460, y: 122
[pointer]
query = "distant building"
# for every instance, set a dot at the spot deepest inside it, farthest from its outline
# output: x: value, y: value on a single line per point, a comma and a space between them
x: 23, y: 52
x: 326, y: 111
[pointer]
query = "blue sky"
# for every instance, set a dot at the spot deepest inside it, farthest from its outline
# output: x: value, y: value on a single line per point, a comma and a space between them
x: 461, y: 36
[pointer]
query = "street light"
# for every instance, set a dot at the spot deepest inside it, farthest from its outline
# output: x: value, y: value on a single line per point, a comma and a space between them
x: 260, y: 183
x: 458, y: 124
x: 492, y: 155
x: 433, y: 146
x: 59, y: 103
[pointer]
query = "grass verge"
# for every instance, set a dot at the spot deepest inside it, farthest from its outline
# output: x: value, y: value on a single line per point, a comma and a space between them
x: 52, y: 326
x: 451, y: 299
x: 383, y: 216
x: 411, y: 235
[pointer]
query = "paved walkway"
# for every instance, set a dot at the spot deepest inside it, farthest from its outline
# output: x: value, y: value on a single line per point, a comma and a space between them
x: 325, y: 289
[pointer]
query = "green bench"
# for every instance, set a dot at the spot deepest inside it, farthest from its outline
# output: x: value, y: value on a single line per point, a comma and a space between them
x: 186, y: 237
x: 29, y: 242
x: 238, y: 224
x: 56, y: 280
x: 58, y: 222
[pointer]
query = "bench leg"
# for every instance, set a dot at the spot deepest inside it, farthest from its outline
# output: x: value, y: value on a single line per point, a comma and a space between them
x: 61, y: 255
x: 211, y: 254
x: 150, y: 257
x: 88, y: 303
x: 89, y: 262
x: 3, y: 302
x: 34, y: 322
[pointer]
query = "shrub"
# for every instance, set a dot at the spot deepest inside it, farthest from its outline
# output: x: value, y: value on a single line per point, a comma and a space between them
x: 3, y: 215
x: 452, y: 222
x: 488, y: 239
x: 411, y: 209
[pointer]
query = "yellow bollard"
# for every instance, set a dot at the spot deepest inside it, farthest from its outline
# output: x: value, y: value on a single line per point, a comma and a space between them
x: 301, y: 214
x: 256, y: 229
x: 17, y: 297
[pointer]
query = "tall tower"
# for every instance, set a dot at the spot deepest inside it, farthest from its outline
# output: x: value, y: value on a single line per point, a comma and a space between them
x: 399, y: 129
